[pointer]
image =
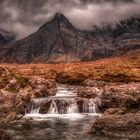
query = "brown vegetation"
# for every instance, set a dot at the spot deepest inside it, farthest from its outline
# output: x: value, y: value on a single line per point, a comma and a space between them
x: 119, y: 69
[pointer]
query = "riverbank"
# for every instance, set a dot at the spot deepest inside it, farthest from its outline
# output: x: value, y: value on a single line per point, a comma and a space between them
x: 116, y: 84
x: 119, y: 104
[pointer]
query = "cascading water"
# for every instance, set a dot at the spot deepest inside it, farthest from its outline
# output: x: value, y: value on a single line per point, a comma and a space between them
x: 64, y: 102
x: 89, y: 106
x: 36, y: 104
x: 64, y: 116
x: 53, y: 108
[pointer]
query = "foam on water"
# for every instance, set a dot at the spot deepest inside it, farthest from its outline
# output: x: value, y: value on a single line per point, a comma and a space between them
x: 64, y: 104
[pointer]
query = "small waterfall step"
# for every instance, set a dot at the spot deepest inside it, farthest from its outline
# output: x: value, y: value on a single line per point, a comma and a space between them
x: 64, y: 102
x: 63, y: 91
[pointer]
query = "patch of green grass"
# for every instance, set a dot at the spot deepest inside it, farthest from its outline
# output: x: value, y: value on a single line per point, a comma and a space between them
x: 12, y: 89
x: 23, y: 81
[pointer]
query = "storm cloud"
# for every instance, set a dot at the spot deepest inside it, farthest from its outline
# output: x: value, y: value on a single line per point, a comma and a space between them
x: 24, y: 17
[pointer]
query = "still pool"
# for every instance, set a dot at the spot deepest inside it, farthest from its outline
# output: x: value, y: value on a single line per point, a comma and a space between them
x: 54, y: 127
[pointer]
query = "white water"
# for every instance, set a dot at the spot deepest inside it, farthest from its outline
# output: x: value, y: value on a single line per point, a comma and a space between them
x: 62, y: 91
x: 36, y: 104
x: 53, y: 108
x: 89, y: 106
x: 65, y: 102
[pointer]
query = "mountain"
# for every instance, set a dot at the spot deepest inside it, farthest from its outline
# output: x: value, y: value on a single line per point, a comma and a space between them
x: 3, y: 40
x: 59, y: 41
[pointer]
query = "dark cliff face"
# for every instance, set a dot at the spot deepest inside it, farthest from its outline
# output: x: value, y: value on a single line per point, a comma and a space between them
x: 3, y: 41
x: 59, y: 41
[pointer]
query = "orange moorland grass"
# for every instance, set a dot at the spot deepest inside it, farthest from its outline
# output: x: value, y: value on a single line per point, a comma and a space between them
x: 118, y: 69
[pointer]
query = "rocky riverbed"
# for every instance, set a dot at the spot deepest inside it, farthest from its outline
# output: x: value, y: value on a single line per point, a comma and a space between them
x: 118, y: 102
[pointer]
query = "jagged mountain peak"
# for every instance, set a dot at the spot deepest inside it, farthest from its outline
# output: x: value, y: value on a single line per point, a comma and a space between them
x: 58, y: 19
x: 60, y: 16
x: 59, y: 41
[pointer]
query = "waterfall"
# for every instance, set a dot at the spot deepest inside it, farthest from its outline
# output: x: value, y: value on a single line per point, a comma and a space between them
x: 53, y: 108
x: 65, y: 92
x: 35, y: 105
x: 73, y: 108
x: 64, y: 102
x: 89, y: 106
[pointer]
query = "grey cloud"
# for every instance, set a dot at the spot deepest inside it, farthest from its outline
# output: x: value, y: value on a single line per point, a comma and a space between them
x: 24, y: 17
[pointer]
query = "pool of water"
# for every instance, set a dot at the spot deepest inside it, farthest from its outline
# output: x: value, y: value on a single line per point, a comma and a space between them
x: 54, y: 127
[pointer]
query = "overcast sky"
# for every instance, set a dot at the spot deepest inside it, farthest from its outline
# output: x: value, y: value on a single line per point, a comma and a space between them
x: 24, y: 17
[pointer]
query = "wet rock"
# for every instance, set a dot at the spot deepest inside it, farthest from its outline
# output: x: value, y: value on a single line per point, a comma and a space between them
x: 38, y: 80
x: 11, y: 117
x: 44, y: 88
x: 26, y: 98
x: 20, y: 108
x: 121, y: 118
x: 41, y: 92
x: 50, y: 84
x: 93, y: 83
x: 127, y: 125
x: 26, y: 90
x: 13, y: 81
x: 6, y: 102
x: 115, y: 111
x: 12, y: 104
x: 18, y: 102
x: 87, y: 92
x: 19, y: 116
x: 80, y: 103
x: 4, y: 135
x: 27, y: 123
x: 121, y: 96
x: 45, y: 107
x: 44, y: 92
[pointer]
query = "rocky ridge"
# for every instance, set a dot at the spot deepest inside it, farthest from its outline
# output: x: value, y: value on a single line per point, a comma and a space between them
x: 59, y: 41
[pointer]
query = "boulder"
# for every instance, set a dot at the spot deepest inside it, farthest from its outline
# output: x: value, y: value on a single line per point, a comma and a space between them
x: 93, y: 83
x: 11, y: 117
x: 127, y: 126
x: 4, y: 135
x: 45, y: 107
x: 88, y: 92
x: 115, y: 111
x: 121, y: 96
x: 43, y: 88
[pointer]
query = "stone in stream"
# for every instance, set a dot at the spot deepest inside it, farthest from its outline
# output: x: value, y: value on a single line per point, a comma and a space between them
x: 4, y: 135
x: 127, y: 126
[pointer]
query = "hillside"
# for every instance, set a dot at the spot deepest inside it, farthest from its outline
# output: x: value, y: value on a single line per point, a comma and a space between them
x: 59, y: 41
x: 116, y: 69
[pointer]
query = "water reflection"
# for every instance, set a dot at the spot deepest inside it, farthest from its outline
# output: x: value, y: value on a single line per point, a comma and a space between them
x: 55, y: 128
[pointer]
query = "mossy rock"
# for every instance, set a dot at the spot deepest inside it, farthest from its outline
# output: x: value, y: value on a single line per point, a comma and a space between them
x: 23, y: 81
x: 4, y: 135
x: 65, y: 78
x: 12, y: 89
x: 132, y: 104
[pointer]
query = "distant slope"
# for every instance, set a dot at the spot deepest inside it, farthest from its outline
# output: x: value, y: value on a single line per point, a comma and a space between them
x: 59, y: 41
x: 115, y: 69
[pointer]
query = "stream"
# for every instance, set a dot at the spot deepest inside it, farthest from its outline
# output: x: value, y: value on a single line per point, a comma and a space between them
x: 60, y: 117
